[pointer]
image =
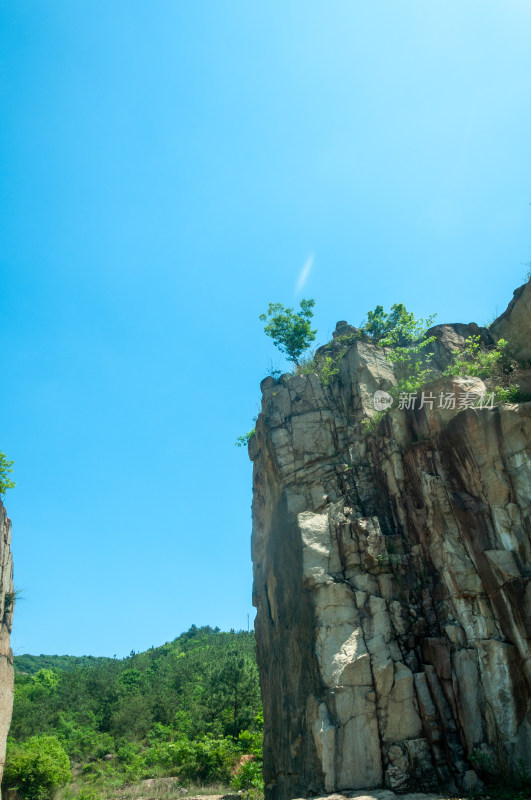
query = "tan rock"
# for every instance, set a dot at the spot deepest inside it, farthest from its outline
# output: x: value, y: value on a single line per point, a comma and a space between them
x: 392, y: 577
x: 7, y: 605
x: 514, y: 324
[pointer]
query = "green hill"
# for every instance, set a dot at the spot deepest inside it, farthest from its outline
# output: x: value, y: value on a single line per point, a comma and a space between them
x: 32, y: 664
x: 189, y: 708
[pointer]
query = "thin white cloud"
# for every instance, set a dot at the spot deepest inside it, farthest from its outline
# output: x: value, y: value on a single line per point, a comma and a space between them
x: 305, y: 272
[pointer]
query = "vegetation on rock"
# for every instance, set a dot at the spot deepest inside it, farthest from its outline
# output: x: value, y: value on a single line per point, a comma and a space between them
x: 397, y: 328
x: 243, y: 441
x: 6, y: 468
x: 495, y: 366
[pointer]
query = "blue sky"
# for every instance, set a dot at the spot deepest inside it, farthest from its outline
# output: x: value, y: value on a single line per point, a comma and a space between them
x: 167, y: 170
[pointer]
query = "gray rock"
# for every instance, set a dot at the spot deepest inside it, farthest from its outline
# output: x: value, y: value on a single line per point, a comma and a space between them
x: 392, y: 578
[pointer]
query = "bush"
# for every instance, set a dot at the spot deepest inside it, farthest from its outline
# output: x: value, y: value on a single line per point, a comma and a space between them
x: 475, y: 362
x: 396, y: 329
x: 509, y: 394
x: 202, y: 760
x: 248, y: 776
x: 37, y: 767
x: 6, y: 468
x: 83, y: 743
x: 243, y: 441
x: 325, y: 367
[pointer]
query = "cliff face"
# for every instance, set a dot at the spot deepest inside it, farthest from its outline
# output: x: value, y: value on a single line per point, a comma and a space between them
x: 392, y: 578
x: 7, y: 602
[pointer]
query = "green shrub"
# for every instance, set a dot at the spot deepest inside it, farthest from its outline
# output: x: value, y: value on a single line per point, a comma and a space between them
x: 89, y: 794
x: 83, y: 743
x: 128, y: 752
x: 37, y: 767
x: 6, y: 468
x: 325, y: 367
x: 328, y: 370
x: 476, y: 362
x: 508, y: 394
x: 398, y: 328
x: 405, y: 338
x: 248, y: 776
x: 243, y: 441
x: 369, y: 425
x: 202, y: 760
x: 251, y: 742
x: 214, y: 759
x: 415, y: 364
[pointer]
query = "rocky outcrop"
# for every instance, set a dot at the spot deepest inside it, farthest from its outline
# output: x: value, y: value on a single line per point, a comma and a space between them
x: 514, y: 324
x: 392, y: 580
x: 7, y: 602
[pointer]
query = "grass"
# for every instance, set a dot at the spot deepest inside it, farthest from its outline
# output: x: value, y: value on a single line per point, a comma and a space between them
x: 161, y: 788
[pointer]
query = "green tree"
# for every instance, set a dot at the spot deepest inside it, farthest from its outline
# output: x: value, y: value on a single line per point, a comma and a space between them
x: 37, y: 767
x: 178, y: 708
x: 291, y: 332
x: 233, y: 692
x: 397, y: 328
x: 6, y: 468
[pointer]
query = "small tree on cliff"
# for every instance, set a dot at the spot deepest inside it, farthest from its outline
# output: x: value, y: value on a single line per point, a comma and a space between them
x: 6, y: 467
x: 291, y: 332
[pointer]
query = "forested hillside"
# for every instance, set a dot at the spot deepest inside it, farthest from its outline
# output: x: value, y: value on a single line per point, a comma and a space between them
x: 189, y: 708
x: 32, y: 664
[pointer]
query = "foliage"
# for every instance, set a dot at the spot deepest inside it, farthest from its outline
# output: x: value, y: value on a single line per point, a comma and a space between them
x: 397, y: 328
x: 37, y: 767
x: 32, y: 664
x: 248, y: 776
x: 291, y: 332
x: 325, y: 367
x: 414, y: 365
x: 473, y: 361
x: 406, y: 339
x: 188, y: 709
x: 328, y: 370
x: 6, y: 468
x: 509, y: 394
x: 82, y: 742
x: 476, y: 362
x: 348, y: 339
x: 369, y: 425
x: 493, y: 365
x: 243, y: 441
x: 9, y: 600
x: 207, y: 759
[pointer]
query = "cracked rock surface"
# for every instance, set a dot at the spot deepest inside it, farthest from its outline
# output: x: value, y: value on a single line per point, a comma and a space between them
x: 392, y: 581
x: 7, y: 602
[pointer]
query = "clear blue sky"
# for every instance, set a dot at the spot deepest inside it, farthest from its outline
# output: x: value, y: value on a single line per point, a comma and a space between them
x: 168, y: 168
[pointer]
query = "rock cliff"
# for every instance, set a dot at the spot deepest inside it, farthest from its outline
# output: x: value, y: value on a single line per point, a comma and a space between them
x: 392, y: 576
x: 7, y: 602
